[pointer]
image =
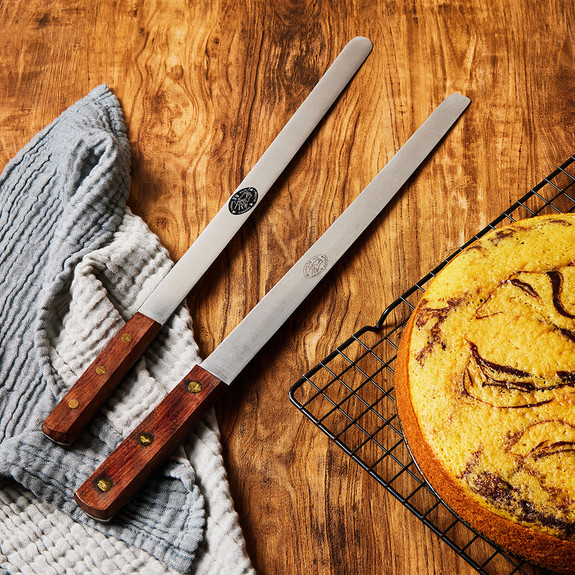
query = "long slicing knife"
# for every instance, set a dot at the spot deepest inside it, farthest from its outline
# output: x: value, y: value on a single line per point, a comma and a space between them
x: 120, y: 475
x: 93, y: 388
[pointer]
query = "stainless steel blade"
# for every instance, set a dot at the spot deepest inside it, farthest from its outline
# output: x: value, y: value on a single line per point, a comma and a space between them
x: 241, y: 345
x: 193, y: 264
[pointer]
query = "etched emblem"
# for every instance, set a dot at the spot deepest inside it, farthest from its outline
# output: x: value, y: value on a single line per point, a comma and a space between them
x: 243, y: 201
x: 314, y: 266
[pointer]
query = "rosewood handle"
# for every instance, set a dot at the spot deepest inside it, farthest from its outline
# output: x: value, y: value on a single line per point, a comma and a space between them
x: 129, y: 465
x: 97, y: 383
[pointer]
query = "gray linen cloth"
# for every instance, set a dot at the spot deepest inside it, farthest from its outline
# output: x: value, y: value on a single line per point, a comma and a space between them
x: 75, y: 264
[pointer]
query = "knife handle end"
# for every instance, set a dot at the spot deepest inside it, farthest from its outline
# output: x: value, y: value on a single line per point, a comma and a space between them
x: 97, y: 383
x: 103, y: 494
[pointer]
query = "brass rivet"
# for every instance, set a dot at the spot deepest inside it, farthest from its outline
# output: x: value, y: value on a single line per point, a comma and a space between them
x: 104, y: 484
x: 73, y: 403
x: 101, y: 370
x: 194, y: 386
x: 127, y: 337
x: 145, y: 439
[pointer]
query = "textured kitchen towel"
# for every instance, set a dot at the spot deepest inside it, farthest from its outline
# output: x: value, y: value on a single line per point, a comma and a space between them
x: 75, y: 263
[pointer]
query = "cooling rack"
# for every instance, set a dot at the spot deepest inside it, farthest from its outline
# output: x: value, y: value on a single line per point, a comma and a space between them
x: 350, y: 397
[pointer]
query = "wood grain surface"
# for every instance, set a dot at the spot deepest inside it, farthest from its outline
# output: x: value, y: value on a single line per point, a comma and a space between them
x: 205, y: 87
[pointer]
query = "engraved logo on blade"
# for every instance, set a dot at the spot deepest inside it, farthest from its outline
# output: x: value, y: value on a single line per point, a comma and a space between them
x: 243, y: 201
x: 315, y: 266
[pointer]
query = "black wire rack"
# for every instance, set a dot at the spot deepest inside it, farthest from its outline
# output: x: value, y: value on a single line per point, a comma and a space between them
x: 350, y: 397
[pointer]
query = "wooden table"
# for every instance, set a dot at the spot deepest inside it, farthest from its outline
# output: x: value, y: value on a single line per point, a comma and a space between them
x: 205, y: 87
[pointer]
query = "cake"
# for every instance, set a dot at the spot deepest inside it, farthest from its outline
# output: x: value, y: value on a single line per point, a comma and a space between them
x: 485, y: 387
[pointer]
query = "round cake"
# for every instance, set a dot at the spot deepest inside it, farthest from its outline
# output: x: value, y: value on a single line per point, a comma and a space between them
x: 485, y: 385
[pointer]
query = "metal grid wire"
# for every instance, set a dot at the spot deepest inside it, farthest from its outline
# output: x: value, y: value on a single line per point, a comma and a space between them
x: 350, y: 397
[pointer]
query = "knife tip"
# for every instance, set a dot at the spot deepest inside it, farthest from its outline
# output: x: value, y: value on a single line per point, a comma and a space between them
x: 463, y: 99
x: 362, y: 42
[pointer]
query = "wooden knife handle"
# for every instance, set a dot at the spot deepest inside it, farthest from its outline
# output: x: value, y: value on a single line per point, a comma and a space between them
x: 128, y: 466
x: 98, y: 382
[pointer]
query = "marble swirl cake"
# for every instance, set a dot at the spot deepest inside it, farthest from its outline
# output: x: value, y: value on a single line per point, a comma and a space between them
x: 485, y: 384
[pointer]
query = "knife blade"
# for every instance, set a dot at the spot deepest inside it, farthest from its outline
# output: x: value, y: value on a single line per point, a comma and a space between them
x: 96, y: 384
x: 128, y: 466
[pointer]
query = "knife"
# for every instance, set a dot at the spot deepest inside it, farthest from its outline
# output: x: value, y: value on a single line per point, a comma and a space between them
x: 89, y: 393
x: 128, y: 466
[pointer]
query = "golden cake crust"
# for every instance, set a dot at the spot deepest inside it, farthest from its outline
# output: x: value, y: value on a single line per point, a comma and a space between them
x: 510, y: 405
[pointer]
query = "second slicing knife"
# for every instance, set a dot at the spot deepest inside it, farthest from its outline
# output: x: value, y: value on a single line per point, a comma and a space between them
x: 89, y: 393
x: 121, y: 474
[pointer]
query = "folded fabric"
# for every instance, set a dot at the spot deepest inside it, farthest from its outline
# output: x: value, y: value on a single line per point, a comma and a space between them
x: 75, y: 265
